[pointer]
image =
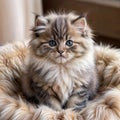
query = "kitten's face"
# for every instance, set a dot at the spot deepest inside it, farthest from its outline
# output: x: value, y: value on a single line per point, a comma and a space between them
x: 59, y: 38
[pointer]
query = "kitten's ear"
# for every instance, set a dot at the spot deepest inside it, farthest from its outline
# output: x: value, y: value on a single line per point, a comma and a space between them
x: 40, y: 21
x: 40, y: 25
x: 80, y: 23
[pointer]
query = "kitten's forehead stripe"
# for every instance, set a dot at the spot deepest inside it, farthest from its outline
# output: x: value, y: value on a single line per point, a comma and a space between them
x: 60, y: 28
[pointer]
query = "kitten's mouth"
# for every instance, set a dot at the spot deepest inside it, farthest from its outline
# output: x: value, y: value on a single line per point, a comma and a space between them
x: 61, y: 59
x: 60, y: 56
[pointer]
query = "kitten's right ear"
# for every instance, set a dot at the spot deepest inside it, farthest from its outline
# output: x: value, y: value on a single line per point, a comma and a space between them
x: 40, y: 25
x: 40, y: 21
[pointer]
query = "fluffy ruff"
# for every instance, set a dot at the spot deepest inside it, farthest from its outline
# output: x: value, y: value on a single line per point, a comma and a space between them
x: 13, y: 106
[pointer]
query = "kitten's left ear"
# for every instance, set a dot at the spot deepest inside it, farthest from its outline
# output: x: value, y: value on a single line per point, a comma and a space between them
x: 80, y: 23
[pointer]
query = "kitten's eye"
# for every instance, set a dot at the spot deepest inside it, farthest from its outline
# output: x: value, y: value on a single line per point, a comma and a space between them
x: 69, y: 43
x: 52, y: 43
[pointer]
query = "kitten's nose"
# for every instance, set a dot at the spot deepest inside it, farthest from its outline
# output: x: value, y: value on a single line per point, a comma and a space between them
x: 61, y: 52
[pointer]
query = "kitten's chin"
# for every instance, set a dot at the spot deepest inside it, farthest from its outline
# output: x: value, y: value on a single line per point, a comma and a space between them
x: 60, y: 60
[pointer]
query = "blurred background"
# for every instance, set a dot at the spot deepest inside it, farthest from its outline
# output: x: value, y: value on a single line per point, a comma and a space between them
x: 17, y: 18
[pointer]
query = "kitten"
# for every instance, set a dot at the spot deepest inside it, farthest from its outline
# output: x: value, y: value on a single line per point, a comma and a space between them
x: 61, y: 67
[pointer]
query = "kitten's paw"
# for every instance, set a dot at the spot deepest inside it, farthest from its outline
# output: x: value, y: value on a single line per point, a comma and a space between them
x: 79, y: 106
x: 83, y: 93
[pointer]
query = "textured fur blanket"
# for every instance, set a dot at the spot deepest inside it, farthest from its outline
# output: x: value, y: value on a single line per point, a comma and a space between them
x: 13, y: 106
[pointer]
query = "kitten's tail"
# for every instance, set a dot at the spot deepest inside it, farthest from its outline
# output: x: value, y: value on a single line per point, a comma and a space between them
x: 108, y: 65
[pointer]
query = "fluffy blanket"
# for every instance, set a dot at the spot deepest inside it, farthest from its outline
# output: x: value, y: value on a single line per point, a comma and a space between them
x: 13, y: 106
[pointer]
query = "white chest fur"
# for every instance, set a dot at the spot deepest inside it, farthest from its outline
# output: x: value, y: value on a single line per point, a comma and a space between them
x: 61, y: 81
x: 63, y: 77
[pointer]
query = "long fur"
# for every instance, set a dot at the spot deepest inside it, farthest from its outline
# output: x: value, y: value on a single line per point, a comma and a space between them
x: 13, y: 106
x: 105, y: 107
x: 61, y: 81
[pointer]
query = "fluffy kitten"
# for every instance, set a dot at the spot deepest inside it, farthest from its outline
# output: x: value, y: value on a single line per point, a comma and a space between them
x: 61, y: 66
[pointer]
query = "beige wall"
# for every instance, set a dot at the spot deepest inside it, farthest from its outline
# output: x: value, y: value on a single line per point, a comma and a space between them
x: 16, y: 19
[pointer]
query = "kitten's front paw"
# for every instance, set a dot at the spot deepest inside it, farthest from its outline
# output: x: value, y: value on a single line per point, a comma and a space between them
x: 79, y: 106
x: 78, y: 100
